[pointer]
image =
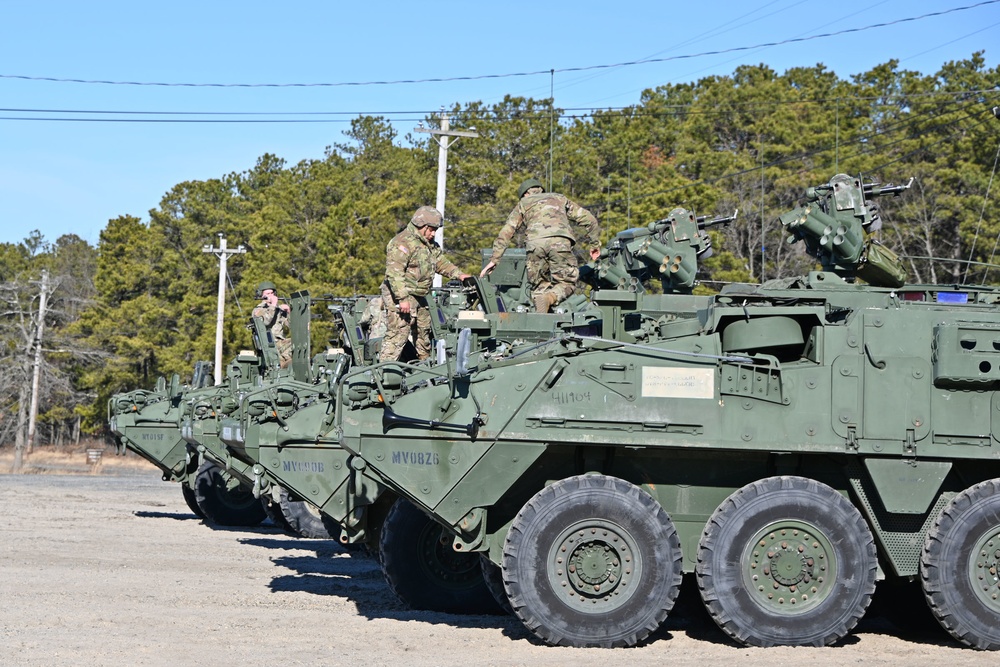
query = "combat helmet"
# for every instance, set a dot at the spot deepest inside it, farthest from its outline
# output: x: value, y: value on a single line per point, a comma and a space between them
x: 427, y: 216
x: 267, y: 284
x: 527, y: 185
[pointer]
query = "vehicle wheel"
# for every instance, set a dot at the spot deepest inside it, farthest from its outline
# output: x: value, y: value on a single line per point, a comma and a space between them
x: 306, y: 520
x: 786, y: 561
x: 960, y: 566
x: 191, y: 501
x: 273, y: 511
x: 424, y: 571
x: 224, y: 500
x: 592, y: 560
x: 493, y: 576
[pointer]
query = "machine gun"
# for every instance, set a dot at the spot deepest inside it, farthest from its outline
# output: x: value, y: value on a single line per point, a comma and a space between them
x: 837, y: 223
x: 668, y: 249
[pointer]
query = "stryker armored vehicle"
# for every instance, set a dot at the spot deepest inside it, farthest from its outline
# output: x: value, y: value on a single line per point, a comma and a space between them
x: 150, y: 424
x: 177, y: 428
x: 788, y: 443
x: 285, y: 427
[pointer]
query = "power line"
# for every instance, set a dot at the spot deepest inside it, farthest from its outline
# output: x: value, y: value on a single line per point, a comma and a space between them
x: 216, y: 113
x: 634, y: 111
x: 479, y: 77
x: 188, y: 120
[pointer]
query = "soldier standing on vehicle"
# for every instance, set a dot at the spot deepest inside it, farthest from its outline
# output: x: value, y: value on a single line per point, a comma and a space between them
x: 411, y: 259
x: 552, y: 267
x: 275, y: 316
x: 373, y: 318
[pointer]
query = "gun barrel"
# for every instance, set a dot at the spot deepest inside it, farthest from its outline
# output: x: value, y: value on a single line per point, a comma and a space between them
x: 705, y: 224
x: 876, y: 190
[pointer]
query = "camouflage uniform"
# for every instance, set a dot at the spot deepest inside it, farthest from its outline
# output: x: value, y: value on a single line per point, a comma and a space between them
x: 276, y: 320
x: 410, y: 264
x: 552, y: 267
x: 373, y: 318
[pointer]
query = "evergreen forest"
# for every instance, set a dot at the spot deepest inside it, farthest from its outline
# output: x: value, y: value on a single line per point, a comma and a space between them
x: 142, y: 303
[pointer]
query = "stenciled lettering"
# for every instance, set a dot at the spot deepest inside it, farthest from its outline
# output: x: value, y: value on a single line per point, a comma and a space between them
x: 302, y: 466
x: 415, y: 458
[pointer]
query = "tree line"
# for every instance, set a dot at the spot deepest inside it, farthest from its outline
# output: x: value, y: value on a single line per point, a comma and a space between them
x: 142, y: 303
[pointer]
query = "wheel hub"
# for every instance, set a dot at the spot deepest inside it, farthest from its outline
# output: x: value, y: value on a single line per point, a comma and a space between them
x: 593, y: 565
x: 443, y: 562
x: 985, y: 570
x: 789, y: 566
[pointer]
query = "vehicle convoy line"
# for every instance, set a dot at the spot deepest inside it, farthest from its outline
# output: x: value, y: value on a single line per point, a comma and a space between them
x: 788, y: 444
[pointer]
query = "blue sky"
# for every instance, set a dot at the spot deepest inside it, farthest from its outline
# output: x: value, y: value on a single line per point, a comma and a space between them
x: 72, y: 177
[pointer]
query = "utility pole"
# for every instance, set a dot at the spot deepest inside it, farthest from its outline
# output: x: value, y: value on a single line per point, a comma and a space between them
x: 223, y: 253
x: 443, y: 143
x: 37, y: 370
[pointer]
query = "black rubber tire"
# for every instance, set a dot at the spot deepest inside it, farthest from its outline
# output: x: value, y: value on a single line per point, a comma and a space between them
x: 592, y: 560
x: 962, y: 553
x: 223, y: 501
x: 191, y: 501
x: 493, y: 576
x: 424, y: 571
x: 306, y: 520
x: 274, y: 513
x: 821, y: 527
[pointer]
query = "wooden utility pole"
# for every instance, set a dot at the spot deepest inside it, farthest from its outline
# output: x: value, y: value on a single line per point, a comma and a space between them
x: 223, y: 253
x: 443, y: 143
x: 22, y: 445
x: 36, y: 372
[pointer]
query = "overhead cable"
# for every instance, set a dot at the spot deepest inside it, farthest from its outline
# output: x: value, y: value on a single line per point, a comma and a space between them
x: 547, y: 71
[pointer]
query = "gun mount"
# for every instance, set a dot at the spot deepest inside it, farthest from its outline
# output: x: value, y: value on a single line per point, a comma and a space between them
x: 666, y: 249
x: 838, y: 221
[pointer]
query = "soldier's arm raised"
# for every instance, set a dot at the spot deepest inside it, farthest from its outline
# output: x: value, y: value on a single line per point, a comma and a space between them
x: 514, y: 220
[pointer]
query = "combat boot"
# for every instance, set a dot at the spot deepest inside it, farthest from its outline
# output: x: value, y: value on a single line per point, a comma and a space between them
x: 544, y: 301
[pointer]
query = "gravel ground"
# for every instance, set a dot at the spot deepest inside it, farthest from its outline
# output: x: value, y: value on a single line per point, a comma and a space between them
x: 115, y: 570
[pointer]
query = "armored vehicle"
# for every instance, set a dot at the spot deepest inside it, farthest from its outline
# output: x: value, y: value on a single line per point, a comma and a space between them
x: 286, y: 426
x: 176, y: 427
x: 788, y: 443
x: 150, y: 423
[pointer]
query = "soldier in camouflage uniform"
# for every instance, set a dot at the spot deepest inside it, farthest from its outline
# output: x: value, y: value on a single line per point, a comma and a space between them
x: 275, y: 316
x: 552, y: 267
x: 411, y: 259
x: 373, y: 318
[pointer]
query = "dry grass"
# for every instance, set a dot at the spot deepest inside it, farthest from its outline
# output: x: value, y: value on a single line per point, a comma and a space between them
x: 49, y: 460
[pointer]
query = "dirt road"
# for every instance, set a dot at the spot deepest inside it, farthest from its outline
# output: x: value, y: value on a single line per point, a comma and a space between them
x: 115, y: 570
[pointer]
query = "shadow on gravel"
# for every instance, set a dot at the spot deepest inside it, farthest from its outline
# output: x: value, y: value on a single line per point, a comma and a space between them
x: 330, y: 570
x: 900, y: 610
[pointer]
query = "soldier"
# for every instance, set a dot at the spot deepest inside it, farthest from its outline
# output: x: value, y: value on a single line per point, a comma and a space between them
x: 552, y: 266
x: 373, y: 318
x: 275, y: 316
x: 411, y: 259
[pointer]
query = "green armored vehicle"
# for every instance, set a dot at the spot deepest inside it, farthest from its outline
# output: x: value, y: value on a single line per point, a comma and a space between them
x: 152, y: 424
x: 177, y: 429
x: 790, y: 444
x: 286, y: 427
